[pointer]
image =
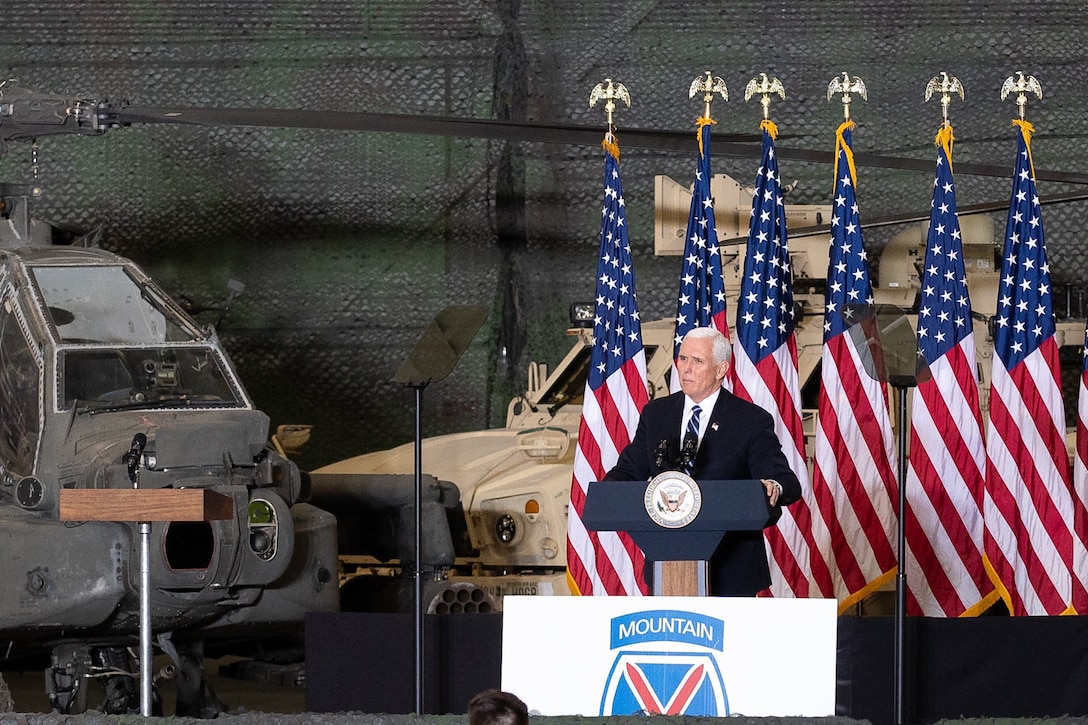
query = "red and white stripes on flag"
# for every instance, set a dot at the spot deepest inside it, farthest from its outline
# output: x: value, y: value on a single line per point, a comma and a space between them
x: 854, y: 476
x: 701, y: 299
x: 944, y: 529
x: 1030, y: 510
x: 769, y: 385
x: 608, y: 563
x: 1080, y: 484
x: 765, y: 368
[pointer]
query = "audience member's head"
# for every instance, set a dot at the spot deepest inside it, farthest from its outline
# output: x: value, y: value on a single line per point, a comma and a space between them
x: 495, y: 707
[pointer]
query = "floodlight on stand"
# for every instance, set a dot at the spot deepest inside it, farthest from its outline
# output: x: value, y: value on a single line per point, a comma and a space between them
x: 581, y: 314
x: 439, y: 348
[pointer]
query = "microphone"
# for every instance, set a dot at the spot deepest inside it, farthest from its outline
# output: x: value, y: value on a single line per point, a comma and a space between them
x: 132, y: 458
x: 687, y: 453
x: 661, y: 453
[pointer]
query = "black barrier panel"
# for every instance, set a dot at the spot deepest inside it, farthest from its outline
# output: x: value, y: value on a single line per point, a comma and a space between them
x: 366, y: 662
x: 986, y: 667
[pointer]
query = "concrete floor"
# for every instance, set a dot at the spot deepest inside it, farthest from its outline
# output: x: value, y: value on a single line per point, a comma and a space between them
x: 239, y: 696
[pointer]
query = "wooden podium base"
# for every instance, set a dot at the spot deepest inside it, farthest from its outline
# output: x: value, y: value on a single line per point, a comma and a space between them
x: 680, y: 579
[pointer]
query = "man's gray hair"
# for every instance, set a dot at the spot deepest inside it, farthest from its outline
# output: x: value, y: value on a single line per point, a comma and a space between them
x: 722, y: 350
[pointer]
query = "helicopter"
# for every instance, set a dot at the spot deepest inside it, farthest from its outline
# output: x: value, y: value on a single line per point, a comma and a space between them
x: 106, y: 382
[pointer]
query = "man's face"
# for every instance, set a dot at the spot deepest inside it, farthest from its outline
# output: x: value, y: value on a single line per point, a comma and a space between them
x: 699, y: 376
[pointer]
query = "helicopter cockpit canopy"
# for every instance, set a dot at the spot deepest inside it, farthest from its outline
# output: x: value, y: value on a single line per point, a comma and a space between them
x: 106, y: 305
x: 120, y: 346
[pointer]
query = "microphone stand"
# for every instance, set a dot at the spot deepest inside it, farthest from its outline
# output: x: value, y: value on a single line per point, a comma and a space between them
x: 687, y: 453
x: 661, y: 453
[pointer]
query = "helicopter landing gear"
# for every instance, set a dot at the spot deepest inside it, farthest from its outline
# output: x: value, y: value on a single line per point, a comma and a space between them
x: 7, y: 704
x: 105, y: 679
x: 195, y: 695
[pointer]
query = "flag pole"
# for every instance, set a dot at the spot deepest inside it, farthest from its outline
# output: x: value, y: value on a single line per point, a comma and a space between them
x: 617, y: 372
x: 1026, y: 368
x: 946, y: 86
x: 765, y: 359
x: 701, y: 298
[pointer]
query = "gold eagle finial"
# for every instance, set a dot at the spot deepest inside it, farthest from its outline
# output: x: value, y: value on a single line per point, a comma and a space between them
x: 846, y: 87
x: 1022, y: 86
x: 609, y: 92
x: 708, y: 86
x: 945, y: 85
x: 765, y: 87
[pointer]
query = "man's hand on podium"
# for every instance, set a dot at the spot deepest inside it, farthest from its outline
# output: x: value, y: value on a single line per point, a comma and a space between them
x: 774, y: 490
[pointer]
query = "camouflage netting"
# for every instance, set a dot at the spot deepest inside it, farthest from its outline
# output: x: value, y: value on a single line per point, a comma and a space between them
x: 348, y: 243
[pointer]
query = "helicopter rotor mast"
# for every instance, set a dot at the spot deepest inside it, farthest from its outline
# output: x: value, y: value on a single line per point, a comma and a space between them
x: 26, y: 115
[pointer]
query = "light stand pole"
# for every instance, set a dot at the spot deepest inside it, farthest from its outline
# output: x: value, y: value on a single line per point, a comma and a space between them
x: 434, y: 356
x: 418, y: 563
x: 888, y: 348
x: 901, y: 386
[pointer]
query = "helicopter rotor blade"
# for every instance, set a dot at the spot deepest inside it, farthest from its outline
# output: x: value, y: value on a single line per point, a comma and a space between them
x: 727, y: 145
x: 27, y: 114
x: 893, y: 219
x: 882, y: 161
x: 569, y: 134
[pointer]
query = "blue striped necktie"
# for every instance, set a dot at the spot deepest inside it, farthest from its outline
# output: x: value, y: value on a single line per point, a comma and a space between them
x: 692, y: 432
x: 693, y: 421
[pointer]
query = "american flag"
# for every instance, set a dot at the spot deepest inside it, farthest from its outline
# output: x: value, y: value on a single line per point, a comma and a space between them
x: 608, y: 563
x: 854, y: 475
x: 1029, y: 503
x: 1080, y: 485
x: 765, y: 366
x: 701, y: 301
x: 945, y: 574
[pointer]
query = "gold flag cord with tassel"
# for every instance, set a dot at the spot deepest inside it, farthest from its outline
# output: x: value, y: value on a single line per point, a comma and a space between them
x: 699, y: 123
x: 770, y: 127
x: 841, y: 145
x: 1027, y: 129
x: 610, y: 145
x: 945, y: 139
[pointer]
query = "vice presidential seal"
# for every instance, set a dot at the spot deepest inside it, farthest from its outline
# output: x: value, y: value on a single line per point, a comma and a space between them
x: 673, y: 499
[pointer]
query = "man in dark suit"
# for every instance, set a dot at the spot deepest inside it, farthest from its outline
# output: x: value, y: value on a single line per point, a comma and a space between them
x: 736, y: 441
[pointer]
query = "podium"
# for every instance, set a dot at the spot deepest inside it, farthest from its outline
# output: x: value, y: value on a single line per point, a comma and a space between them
x: 680, y: 552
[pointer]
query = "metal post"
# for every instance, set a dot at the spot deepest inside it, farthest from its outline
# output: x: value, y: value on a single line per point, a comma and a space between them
x: 145, y: 618
x: 419, y: 550
x: 901, y: 576
x: 440, y: 346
